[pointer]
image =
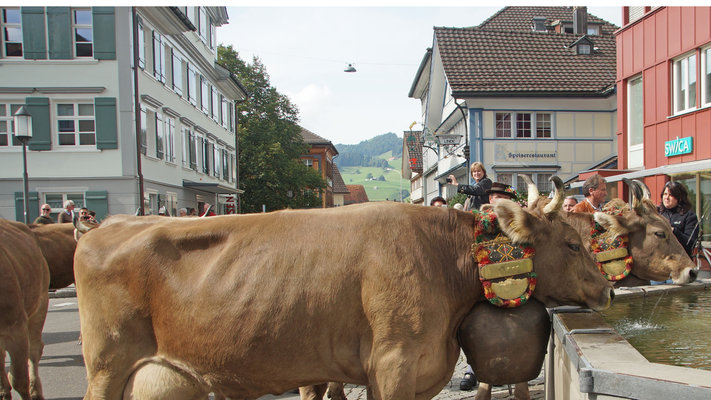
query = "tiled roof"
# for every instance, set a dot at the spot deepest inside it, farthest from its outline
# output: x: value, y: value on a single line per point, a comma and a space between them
x: 485, y: 61
x: 357, y: 195
x: 312, y: 138
x: 339, y: 187
x: 412, y: 143
x: 521, y: 18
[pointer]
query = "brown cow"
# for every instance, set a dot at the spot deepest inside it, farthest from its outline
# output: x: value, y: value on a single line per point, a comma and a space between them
x: 24, y: 279
x: 656, y: 255
x: 57, y: 244
x: 246, y: 305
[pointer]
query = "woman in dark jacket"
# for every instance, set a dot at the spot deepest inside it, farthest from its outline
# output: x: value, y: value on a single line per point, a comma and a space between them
x: 676, y: 207
x: 476, y: 193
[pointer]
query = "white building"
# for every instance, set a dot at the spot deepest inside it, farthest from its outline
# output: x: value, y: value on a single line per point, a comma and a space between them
x: 531, y: 90
x: 72, y: 69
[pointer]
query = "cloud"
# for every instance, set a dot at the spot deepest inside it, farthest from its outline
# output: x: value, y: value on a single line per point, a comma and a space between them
x: 311, y: 100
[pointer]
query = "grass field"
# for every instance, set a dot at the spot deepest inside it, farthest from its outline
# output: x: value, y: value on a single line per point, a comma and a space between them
x: 377, y: 190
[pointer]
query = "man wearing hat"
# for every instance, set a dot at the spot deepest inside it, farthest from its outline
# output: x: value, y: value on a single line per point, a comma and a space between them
x: 500, y: 191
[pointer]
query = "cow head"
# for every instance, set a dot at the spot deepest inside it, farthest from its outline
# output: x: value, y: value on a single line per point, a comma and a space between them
x: 567, y: 274
x: 656, y: 252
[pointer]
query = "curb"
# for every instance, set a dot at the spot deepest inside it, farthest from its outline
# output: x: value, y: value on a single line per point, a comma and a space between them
x: 69, y: 291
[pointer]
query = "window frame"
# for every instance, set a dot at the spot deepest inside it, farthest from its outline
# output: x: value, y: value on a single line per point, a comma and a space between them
x: 169, y: 138
x: 705, y: 72
x: 520, y: 121
x: 3, y: 35
x: 76, y: 118
x: 158, y: 57
x: 501, y: 131
x: 679, y: 72
x: 534, y: 125
x: 205, y: 96
x: 76, y: 25
x: 9, y: 120
x: 159, y: 135
x: 177, y: 72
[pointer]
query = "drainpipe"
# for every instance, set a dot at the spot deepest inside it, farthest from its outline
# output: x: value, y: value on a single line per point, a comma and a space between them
x: 137, y: 112
x: 466, y: 136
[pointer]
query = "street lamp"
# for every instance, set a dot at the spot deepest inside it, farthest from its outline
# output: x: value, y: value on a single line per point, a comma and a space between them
x: 23, y: 133
x: 399, y: 173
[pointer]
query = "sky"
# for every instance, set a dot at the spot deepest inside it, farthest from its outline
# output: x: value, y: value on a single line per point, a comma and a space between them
x: 305, y: 50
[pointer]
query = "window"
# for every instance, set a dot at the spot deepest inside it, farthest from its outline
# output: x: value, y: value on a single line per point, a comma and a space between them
x: 177, y: 72
x: 523, y: 125
x: 543, y: 125
x: 216, y: 161
x: 159, y: 131
x: 186, y: 137
x: 635, y: 123
x: 204, y: 95
x: 192, y: 86
x: 593, y: 30
x: 542, y: 182
x: 169, y: 139
x: 206, y: 154
x: 215, y: 105
x: 706, y: 76
x: 202, y: 24
x: 503, y: 125
x: 83, y: 33
x: 583, y: 49
x: 11, y: 32
x: 75, y: 124
x: 7, y: 125
x: 224, y: 115
x: 684, y: 84
x: 158, y: 57
x: 308, y: 162
x: 144, y: 130
x: 225, y: 165
x: 141, y: 46
x: 521, y: 184
x: 56, y: 201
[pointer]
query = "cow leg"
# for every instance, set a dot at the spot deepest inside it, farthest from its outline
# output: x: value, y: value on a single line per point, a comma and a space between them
x: 335, y: 391
x: 19, y: 349
x: 521, y: 391
x: 313, y: 392
x: 483, y: 392
x: 5, y: 388
x: 155, y: 381
x: 34, y: 328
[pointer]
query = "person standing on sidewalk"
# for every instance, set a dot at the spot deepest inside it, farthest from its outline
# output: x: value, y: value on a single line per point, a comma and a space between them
x: 44, y: 217
x: 68, y: 214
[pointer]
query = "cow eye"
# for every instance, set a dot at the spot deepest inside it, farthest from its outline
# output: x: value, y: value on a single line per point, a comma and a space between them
x: 660, y: 234
x: 574, y: 247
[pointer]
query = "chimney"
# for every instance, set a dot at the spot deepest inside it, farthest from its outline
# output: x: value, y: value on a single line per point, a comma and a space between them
x: 580, y: 20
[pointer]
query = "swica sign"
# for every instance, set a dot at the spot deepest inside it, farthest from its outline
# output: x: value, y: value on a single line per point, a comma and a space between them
x: 678, y: 146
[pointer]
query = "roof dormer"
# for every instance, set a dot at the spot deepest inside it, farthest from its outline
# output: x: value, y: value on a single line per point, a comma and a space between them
x: 583, y: 46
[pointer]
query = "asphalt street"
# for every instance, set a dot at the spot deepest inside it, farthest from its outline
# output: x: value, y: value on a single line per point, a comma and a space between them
x: 64, y: 377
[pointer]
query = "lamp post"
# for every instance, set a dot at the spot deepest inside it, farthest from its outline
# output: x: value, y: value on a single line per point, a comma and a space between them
x: 399, y: 173
x: 23, y: 133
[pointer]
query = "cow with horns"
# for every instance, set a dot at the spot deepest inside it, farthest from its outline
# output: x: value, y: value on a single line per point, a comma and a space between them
x: 244, y: 306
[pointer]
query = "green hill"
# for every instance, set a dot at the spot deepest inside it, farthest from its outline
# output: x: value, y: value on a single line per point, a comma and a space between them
x: 378, y: 190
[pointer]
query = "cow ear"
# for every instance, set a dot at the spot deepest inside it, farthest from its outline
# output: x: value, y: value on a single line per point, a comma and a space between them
x: 614, y: 224
x: 514, y: 221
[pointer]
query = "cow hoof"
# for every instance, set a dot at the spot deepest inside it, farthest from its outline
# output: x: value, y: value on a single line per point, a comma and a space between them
x: 468, y: 382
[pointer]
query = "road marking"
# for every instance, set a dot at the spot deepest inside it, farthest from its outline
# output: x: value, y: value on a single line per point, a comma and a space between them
x: 64, y: 304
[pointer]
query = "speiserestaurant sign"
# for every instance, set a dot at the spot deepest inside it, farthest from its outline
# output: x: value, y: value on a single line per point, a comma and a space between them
x: 678, y: 146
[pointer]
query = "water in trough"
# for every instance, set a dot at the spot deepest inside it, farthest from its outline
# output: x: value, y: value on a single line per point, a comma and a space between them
x: 673, y: 329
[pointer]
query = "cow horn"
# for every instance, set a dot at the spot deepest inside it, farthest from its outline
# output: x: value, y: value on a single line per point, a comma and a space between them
x: 636, y: 195
x: 551, y: 209
x: 207, y: 211
x: 532, y: 189
x: 645, y: 189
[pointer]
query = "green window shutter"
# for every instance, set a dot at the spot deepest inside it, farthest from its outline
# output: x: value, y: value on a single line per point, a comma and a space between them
x: 33, y: 33
x: 106, y: 123
x: 97, y: 201
x: 104, y: 33
x: 20, y: 206
x: 59, y: 27
x: 38, y: 107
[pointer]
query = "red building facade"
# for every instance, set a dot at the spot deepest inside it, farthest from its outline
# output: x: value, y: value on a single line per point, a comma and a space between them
x: 664, y: 100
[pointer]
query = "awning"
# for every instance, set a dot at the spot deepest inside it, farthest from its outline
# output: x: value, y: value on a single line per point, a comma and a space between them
x: 210, y: 187
x: 663, y: 170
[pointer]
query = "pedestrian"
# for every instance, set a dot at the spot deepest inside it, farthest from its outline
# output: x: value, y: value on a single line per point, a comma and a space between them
x: 476, y: 192
x: 192, y: 212
x: 163, y: 212
x: 206, y: 207
x: 183, y: 212
x: 44, y: 217
x: 83, y: 215
x: 676, y: 207
x: 569, y: 203
x: 595, y: 191
x: 500, y: 191
x: 438, y: 201
x: 67, y: 215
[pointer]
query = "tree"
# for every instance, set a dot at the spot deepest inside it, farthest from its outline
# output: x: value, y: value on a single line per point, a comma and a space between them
x: 270, y: 143
x: 369, y: 176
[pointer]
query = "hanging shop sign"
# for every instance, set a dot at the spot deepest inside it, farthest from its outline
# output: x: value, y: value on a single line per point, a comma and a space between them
x: 678, y: 146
